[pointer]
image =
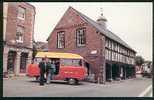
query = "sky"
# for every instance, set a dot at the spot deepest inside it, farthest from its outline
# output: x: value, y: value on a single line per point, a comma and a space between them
x: 132, y: 22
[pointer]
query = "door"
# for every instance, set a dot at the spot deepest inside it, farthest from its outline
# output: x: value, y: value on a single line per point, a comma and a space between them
x: 11, y: 62
x: 23, y: 62
x: 108, y: 72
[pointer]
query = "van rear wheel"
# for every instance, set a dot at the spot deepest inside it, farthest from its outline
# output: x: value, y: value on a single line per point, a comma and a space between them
x: 72, y: 81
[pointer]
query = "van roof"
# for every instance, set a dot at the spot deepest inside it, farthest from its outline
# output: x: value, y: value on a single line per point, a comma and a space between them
x: 58, y: 55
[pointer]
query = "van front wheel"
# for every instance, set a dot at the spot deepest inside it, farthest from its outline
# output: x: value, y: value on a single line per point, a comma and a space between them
x: 72, y: 81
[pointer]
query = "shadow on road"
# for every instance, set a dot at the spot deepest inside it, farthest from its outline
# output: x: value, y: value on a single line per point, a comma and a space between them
x: 57, y: 82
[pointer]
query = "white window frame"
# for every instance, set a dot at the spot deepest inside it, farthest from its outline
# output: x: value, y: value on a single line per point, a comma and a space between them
x: 20, y: 32
x: 81, y: 37
x: 106, y: 43
x: 59, y: 39
x: 109, y: 55
x: 19, y: 12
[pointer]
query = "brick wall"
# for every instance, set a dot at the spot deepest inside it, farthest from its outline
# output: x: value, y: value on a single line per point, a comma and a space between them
x: 69, y: 23
x: 13, y: 21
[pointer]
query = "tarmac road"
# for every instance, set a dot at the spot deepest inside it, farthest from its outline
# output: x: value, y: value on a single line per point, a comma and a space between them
x: 28, y: 87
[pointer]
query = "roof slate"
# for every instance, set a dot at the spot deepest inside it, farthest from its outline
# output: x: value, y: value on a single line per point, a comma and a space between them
x: 104, y: 31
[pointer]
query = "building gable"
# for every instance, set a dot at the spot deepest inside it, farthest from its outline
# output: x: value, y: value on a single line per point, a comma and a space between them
x: 68, y: 20
x: 73, y: 16
x: 69, y: 24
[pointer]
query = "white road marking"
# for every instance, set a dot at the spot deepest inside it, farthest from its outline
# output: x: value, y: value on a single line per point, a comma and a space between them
x: 146, y: 91
x: 151, y: 94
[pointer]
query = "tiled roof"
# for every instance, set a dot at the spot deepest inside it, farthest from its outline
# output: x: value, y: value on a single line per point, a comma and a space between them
x: 104, y: 31
x: 41, y: 45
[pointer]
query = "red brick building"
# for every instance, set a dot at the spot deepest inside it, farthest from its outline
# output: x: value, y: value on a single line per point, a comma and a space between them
x: 18, y: 33
x: 108, y: 56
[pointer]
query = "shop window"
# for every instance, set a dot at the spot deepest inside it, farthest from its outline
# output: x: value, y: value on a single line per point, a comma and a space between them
x: 60, y: 40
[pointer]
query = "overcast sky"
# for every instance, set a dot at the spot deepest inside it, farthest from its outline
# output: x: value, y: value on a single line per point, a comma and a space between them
x: 130, y: 21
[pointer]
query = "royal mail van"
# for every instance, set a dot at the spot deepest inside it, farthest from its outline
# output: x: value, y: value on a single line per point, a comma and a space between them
x: 69, y: 67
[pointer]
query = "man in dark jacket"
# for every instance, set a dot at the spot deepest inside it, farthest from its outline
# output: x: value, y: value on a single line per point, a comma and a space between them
x: 50, y: 71
x: 42, y: 66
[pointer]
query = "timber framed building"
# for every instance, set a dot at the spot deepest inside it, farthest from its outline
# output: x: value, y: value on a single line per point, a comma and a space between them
x: 108, y: 56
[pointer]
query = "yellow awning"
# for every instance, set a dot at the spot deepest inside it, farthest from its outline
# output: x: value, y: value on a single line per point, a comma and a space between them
x: 58, y: 55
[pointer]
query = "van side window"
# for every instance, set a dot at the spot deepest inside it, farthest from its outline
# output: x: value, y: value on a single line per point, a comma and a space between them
x: 77, y: 62
x: 71, y: 62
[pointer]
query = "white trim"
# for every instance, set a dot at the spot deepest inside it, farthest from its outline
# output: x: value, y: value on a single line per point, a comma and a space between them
x: 145, y: 91
x: 21, y: 18
x: 19, y: 41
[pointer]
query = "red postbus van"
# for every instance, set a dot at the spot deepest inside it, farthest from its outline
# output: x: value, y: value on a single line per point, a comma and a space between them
x: 69, y: 67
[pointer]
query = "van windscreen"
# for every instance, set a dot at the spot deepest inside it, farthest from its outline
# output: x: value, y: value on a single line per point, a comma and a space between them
x: 71, y: 62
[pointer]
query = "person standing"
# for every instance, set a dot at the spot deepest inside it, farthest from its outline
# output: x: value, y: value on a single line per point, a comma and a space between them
x: 51, y: 70
x: 57, y: 65
x: 42, y: 66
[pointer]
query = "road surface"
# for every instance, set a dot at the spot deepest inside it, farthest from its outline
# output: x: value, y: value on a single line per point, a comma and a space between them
x: 28, y: 87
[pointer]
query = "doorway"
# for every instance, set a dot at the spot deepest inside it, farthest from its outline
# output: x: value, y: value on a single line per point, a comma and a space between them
x: 108, y: 72
x: 57, y: 64
x: 88, y: 68
x: 114, y: 71
x: 11, y: 62
x: 23, y: 62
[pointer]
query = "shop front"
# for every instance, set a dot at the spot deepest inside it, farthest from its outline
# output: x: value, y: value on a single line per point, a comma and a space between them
x: 15, y: 60
x: 118, y: 71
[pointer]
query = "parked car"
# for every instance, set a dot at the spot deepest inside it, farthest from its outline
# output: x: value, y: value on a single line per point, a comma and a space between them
x: 146, y: 70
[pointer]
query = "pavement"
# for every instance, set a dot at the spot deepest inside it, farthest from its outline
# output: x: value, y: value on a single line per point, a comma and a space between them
x: 28, y: 87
